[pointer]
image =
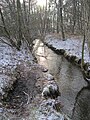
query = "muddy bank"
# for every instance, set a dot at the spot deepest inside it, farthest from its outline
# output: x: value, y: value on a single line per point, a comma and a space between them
x: 24, y: 88
x: 26, y: 101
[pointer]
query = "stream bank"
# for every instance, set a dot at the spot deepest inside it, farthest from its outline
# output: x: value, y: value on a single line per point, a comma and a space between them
x: 22, y: 99
x: 68, y: 76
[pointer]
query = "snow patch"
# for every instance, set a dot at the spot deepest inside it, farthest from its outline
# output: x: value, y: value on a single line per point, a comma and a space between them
x: 71, y: 46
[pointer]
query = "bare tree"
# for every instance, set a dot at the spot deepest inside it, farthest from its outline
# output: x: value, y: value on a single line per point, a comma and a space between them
x: 60, y: 2
x: 8, y: 35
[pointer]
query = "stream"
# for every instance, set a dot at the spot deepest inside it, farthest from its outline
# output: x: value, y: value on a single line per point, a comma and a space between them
x: 75, y: 94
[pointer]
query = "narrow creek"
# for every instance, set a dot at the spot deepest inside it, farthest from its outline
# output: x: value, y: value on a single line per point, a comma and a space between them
x: 75, y: 95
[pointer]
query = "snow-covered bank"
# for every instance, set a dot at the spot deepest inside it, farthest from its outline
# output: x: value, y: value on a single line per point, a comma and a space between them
x: 71, y: 49
x: 9, y: 58
x: 25, y: 100
x: 71, y: 46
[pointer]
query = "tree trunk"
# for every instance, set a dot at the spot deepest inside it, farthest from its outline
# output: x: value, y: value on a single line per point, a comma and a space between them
x: 61, y: 20
x: 19, y: 23
x: 58, y: 21
x: 74, y: 16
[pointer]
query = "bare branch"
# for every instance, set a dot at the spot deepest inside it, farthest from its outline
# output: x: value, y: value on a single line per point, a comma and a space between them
x: 2, y: 40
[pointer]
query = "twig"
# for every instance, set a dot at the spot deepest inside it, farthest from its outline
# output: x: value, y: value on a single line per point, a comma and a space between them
x: 5, y: 42
x: 28, y: 98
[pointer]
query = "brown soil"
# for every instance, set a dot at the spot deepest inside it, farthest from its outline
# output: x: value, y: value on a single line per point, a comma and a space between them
x: 24, y: 89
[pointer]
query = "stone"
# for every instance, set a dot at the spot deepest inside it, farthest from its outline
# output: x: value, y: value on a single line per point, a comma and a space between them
x: 51, y: 91
x: 49, y: 76
x: 44, y: 70
x: 46, y: 111
x: 55, y: 117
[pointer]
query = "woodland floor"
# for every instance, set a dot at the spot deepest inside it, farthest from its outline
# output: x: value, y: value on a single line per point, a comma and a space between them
x: 26, y: 91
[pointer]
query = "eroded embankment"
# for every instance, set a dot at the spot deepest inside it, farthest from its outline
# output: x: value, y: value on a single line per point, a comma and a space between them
x: 70, y: 73
x: 71, y: 49
x: 22, y: 99
x: 67, y: 75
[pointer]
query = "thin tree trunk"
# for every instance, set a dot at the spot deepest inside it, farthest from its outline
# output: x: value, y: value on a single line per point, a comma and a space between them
x: 61, y: 19
x: 19, y: 23
x: 74, y: 16
x: 58, y: 21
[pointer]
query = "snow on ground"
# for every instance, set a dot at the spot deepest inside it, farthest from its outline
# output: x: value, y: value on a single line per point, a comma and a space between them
x: 9, y: 58
x: 71, y: 46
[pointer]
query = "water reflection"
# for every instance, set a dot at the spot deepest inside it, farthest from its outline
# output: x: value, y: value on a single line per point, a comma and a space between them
x: 48, y: 58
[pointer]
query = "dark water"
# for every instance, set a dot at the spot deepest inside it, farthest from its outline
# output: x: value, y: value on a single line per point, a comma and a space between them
x: 75, y: 96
